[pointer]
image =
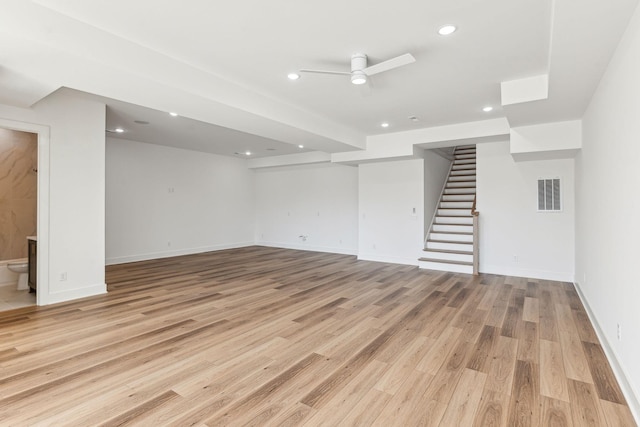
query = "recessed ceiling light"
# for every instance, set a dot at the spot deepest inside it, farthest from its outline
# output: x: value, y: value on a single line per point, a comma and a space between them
x: 293, y: 76
x: 445, y: 30
x: 119, y: 130
x: 247, y: 153
x: 413, y: 118
x: 172, y: 114
x: 487, y: 108
x: 384, y: 125
x: 300, y: 146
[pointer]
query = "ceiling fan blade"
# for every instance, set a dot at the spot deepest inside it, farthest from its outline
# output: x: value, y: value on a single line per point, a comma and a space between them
x: 341, y: 73
x: 390, y: 64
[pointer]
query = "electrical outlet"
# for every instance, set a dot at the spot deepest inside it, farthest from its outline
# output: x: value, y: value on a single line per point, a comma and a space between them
x: 169, y: 243
x: 63, y: 276
x: 619, y: 332
x: 516, y: 259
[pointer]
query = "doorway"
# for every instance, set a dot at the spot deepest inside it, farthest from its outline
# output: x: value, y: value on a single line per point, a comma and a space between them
x: 18, y: 214
x: 42, y: 201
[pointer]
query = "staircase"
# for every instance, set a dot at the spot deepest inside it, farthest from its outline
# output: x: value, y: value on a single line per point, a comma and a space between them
x: 450, y: 242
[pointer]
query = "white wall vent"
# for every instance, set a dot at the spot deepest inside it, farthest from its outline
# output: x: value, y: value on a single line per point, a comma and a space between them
x: 549, y: 195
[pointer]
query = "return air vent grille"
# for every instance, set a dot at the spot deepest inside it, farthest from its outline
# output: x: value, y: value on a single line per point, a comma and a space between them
x: 549, y: 195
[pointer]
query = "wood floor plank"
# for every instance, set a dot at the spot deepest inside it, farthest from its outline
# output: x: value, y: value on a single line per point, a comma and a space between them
x: 602, y: 375
x: 585, y: 406
x: 270, y: 336
x: 524, y: 408
x: 492, y: 410
x: 503, y: 365
x: 555, y: 413
x: 617, y: 415
x: 464, y: 402
x: 553, y: 381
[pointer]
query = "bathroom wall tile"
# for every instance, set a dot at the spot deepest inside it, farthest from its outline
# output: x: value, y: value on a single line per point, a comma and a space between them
x: 5, y: 232
x: 18, y: 192
x: 23, y: 175
x: 23, y: 218
x: 6, y: 167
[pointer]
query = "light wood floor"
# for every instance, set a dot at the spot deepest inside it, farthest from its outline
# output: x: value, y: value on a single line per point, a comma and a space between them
x: 263, y: 336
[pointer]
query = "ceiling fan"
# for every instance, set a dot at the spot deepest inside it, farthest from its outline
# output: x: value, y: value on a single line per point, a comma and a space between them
x: 360, y: 71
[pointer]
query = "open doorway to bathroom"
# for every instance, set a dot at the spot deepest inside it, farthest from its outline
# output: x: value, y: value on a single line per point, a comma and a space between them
x: 18, y: 214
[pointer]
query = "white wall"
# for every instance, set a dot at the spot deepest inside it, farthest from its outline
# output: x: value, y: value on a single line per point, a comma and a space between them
x: 608, y: 208
x: 509, y: 222
x: 317, y: 201
x: 436, y: 169
x: 70, y: 193
x: 164, y: 201
x: 389, y: 228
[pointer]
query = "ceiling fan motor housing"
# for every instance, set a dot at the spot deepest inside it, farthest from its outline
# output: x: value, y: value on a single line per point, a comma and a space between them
x: 358, y: 62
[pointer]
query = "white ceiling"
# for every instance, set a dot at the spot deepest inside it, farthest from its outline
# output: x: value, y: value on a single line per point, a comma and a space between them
x: 225, y: 64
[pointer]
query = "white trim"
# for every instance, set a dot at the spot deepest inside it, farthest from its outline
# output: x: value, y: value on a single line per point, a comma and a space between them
x: 301, y: 247
x: 43, y: 296
x: 631, y: 395
x: 179, y: 252
x: 72, y: 294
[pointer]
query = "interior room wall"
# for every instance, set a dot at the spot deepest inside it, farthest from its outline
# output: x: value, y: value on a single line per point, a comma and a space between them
x: 164, y: 201
x: 18, y: 191
x: 319, y: 202
x: 391, y: 211
x: 515, y: 239
x: 607, y: 229
x: 76, y: 195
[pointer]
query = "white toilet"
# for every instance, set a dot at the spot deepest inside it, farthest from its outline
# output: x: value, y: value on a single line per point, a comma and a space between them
x: 22, y: 268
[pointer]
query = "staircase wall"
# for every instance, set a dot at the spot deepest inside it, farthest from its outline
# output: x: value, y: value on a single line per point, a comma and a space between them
x: 515, y: 239
x: 436, y: 169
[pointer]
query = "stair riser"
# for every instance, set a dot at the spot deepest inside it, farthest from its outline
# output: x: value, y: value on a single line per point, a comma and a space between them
x: 446, y: 267
x: 453, y: 220
x: 447, y: 257
x: 463, y: 172
x: 450, y: 246
x: 463, y: 152
x: 437, y: 228
x: 462, y: 238
x: 461, y: 184
x: 463, y: 167
x: 465, y: 156
x: 458, y: 198
x: 462, y: 178
x: 454, y: 212
x: 457, y: 205
x: 454, y: 190
x: 465, y: 162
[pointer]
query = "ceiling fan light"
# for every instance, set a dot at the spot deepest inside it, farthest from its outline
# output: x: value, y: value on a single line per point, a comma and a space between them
x: 358, y: 78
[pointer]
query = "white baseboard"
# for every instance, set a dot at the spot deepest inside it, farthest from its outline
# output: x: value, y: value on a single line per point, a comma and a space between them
x: 526, y: 272
x: 388, y: 259
x: 313, y: 248
x: 178, y: 252
x: 630, y: 394
x: 71, y: 294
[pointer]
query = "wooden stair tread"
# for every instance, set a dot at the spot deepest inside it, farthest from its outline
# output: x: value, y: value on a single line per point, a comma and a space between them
x: 457, y: 242
x: 463, y: 233
x: 446, y: 261
x: 455, y: 225
x: 449, y: 251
